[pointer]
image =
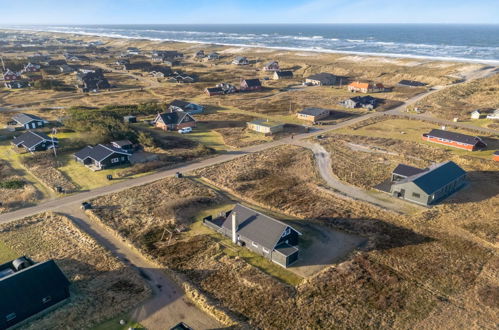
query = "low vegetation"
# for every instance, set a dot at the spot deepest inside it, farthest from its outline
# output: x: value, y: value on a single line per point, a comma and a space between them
x: 44, y: 166
x: 101, y: 286
x: 15, y: 192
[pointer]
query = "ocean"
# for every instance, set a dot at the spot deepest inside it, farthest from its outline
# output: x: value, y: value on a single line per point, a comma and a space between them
x: 475, y: 43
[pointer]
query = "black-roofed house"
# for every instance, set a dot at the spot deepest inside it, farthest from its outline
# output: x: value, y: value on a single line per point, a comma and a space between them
x: 212, y: 91
x: 427, y: 186
x: 213, y: 56
x: 35, y: 141
x: 28, y: 288
x: 190, y: 108
x: 10, y: 75
x: 271, y: 66
x: 173, y: 121
x: 102, y: 156
x: 250, y: 84
x: 366, y: 102
x: 18, y: 84
x: 282, y: 75
x: 199, y: 54
x: 126, y: 145
x: 453, y: 139
x: 240, y: 60
x: 313, y: 114
x: 27, y: 121
x: 411, y: 83
x: 31, y: 67
x: 260, y: 233
x: 321, y: 79
x: 92, y: 80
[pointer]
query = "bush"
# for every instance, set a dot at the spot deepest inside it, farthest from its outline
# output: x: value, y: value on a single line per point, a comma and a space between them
x: 12, y: 184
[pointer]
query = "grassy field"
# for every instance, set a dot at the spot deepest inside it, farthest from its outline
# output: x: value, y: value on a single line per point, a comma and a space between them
x: 87, y: 265
x: 412, y: 130
x: 6, y: 253
x: 459, y: 101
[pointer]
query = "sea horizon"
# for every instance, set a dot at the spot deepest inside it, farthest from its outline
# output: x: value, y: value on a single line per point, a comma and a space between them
x: 477, y: 43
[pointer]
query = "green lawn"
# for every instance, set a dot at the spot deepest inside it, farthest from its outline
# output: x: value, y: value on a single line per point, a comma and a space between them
x: 267, y: 266
x: 6, y: 253
x: 14, y: 159
x: 412, y: 130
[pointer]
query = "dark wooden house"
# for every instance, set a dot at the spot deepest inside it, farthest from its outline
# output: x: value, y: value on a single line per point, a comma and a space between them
x: 260, y: 233
x: 28, y: 288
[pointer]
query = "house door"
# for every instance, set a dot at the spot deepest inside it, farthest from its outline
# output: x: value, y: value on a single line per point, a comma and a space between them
x: 402, y: 193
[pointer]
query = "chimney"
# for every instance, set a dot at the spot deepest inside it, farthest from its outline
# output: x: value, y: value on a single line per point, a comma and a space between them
x: 234, y: 227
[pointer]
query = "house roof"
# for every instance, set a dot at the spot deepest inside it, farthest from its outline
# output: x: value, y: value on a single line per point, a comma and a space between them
x: 99, y: 152
x: 121, y: 143
x: 436, y: 177
x: 214, y: 90
x: 312, y: 111
x: 286, y: 249
x: 284, y: 73
x: 30, y: 139
x: 453, y: 136
x: 173, y: 117
x: 179, y: 103
x: 271, y: 63
x: 365, y: 85
x: 365, y: 99
x: 322, y: 76
x: 266, y: 123
x: 253, y: 82
x: 240, y: 58
x: 25, y: 118
x: 256, y: 226
x: 40, y: 278
x: 406, y: 170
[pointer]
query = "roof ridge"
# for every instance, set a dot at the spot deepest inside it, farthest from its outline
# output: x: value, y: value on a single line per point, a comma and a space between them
x: 260, y: 213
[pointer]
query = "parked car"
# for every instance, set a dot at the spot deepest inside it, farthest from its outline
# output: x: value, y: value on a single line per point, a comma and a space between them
x: 185, y: 130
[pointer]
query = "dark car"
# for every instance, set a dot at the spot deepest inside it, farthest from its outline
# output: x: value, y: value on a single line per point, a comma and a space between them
x: 86, y: 206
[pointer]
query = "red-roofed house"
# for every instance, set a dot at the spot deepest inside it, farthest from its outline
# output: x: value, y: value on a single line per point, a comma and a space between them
x: 366, y: 87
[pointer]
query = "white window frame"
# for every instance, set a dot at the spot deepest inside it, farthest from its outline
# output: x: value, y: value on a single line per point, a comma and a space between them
x: 265, y: 250
x: 115, y: 160
x: 254, y: 244
x: 10, y: 317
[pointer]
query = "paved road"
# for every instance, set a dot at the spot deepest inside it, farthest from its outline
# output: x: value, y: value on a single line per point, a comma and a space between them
x: 168, y: 305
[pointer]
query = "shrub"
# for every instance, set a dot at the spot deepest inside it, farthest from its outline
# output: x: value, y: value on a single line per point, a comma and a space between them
x: 12, y: 184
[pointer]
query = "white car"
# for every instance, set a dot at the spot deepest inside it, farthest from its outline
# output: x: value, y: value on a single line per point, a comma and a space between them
x: 185, y: 130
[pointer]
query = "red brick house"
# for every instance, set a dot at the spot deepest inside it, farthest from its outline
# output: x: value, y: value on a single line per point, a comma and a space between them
x: 453, y: 139
x: 172, y: 121
x: 251, y: 85
x: 10, y: 75
x: 366, y: 87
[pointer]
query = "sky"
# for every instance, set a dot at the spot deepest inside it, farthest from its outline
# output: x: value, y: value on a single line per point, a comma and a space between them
x: 247, y: 11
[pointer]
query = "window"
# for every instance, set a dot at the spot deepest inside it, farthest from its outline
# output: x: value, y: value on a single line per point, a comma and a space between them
x: 416, y: 195
x: 115, y: 160
x: 46, y: 299
x: 254, y: 244
x: 265, y: 250
x: 10, y: 317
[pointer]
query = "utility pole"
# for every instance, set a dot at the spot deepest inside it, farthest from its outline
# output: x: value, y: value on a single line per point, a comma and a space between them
x: 54, y: 132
